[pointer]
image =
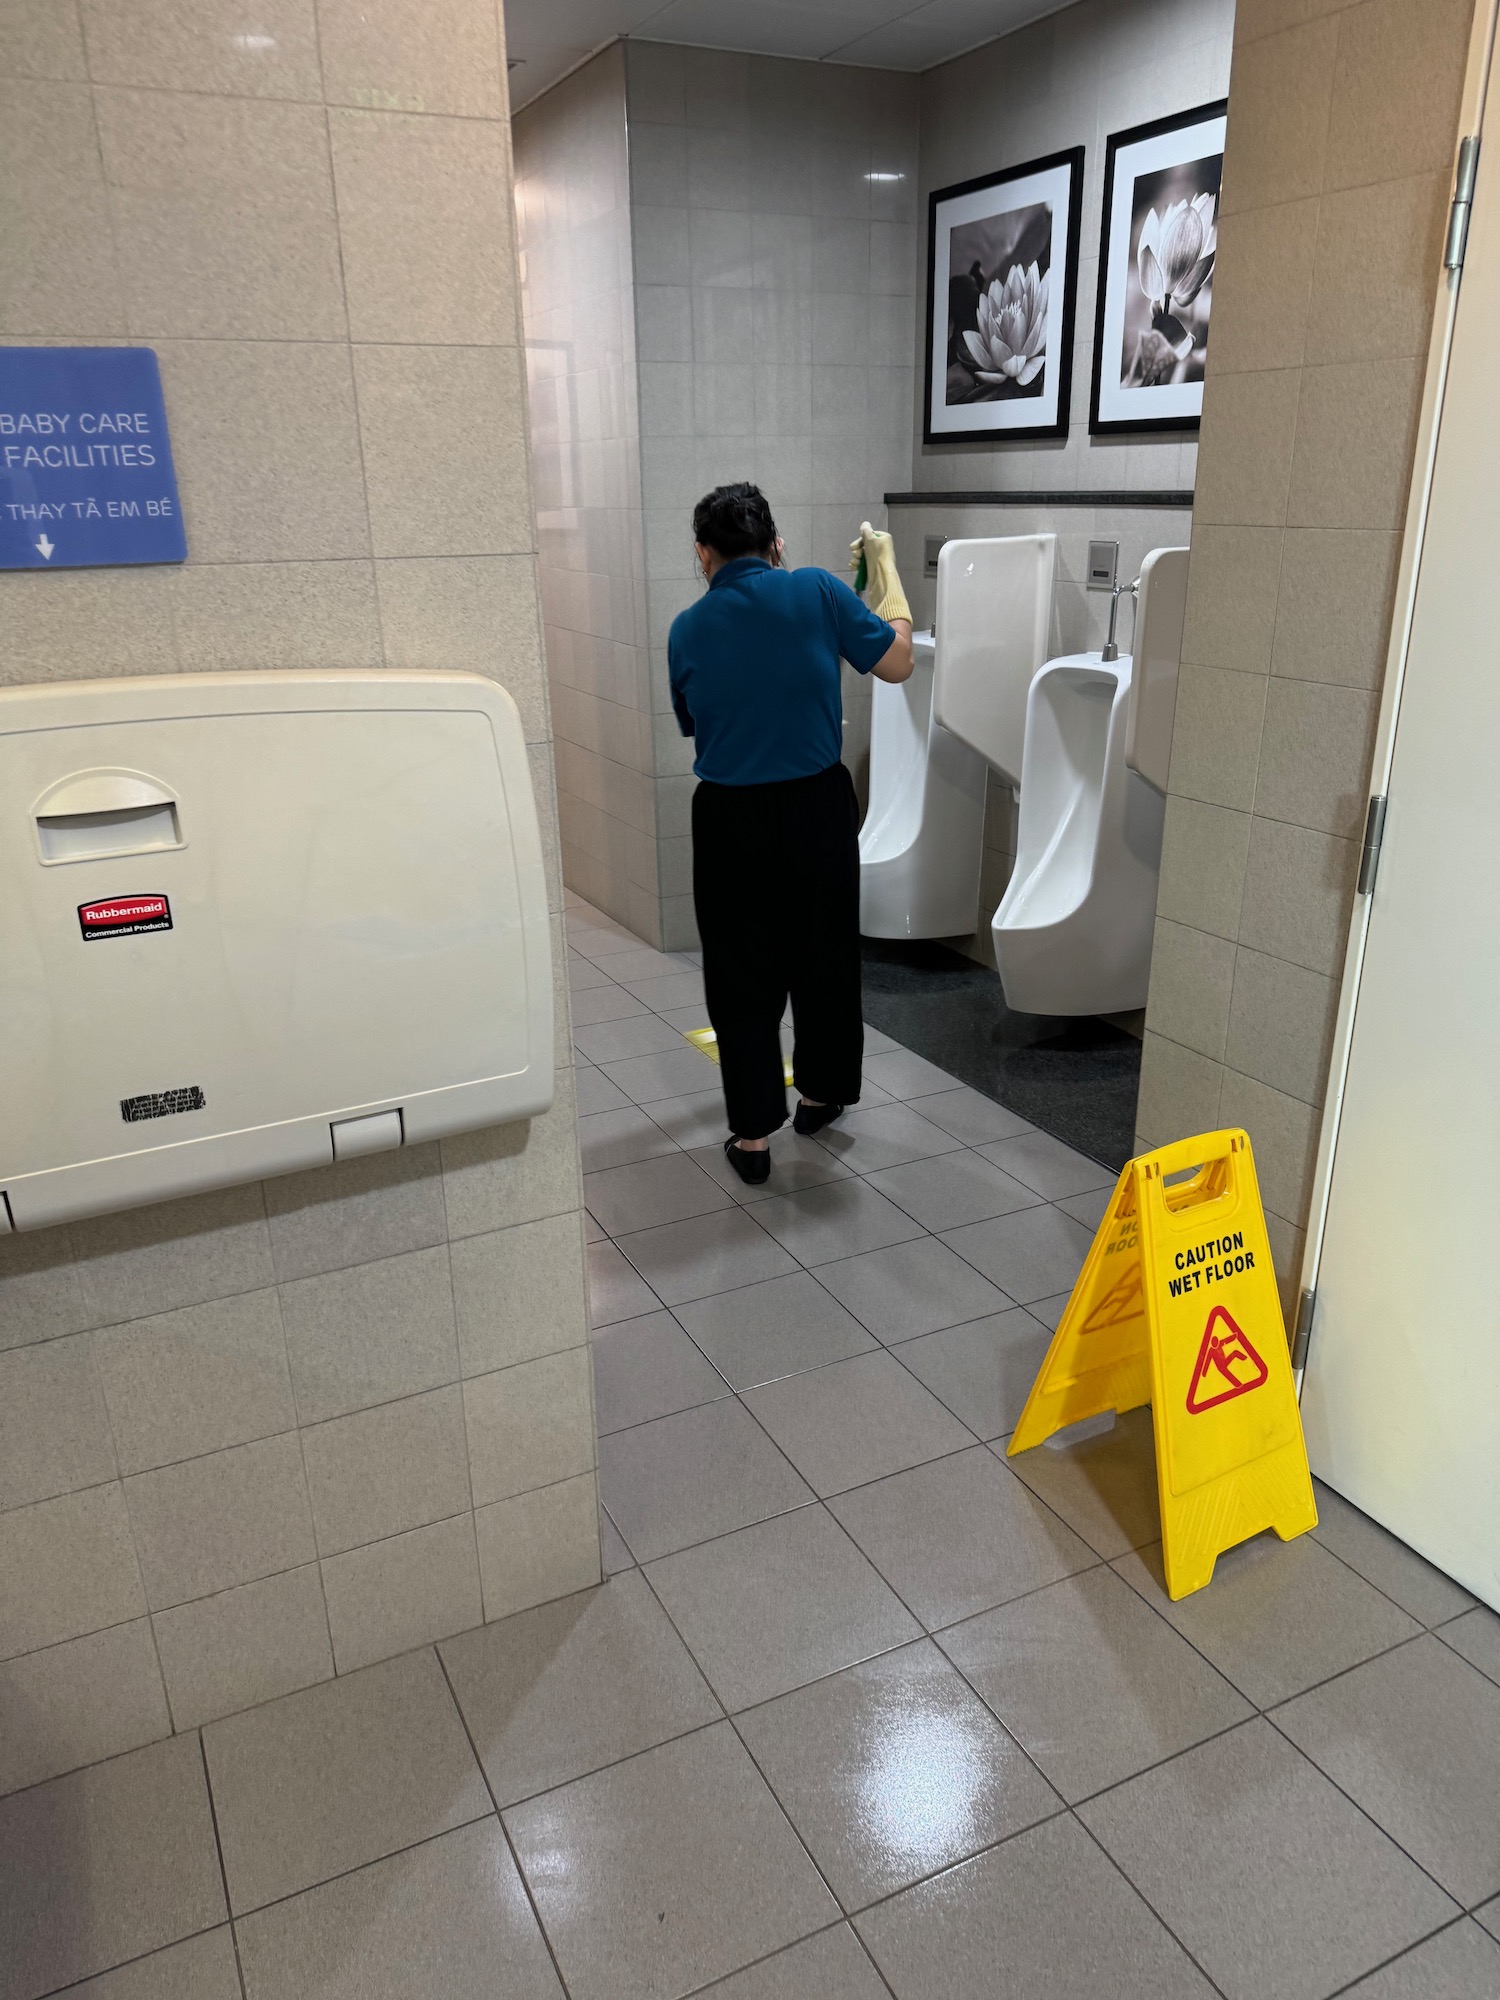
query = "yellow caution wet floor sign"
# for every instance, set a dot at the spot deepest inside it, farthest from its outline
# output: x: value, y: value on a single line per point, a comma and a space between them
x: 1176, y: 1306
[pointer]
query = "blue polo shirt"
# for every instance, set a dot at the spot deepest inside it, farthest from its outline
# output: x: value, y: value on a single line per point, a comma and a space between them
x: 755, y: 670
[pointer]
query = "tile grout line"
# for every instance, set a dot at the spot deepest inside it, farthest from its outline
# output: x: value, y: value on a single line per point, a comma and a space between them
x: 213, y: 1814
x: 510, y: 1846
x: 1405, y: 1952
x: 1135, y: 1890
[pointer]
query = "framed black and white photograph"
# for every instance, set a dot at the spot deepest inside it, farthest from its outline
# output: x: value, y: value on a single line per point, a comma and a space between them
x: 1002, y: 280
x: 1156, y: 273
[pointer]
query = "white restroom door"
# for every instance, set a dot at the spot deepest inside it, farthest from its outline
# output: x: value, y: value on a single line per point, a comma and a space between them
x: 1401, y: 1397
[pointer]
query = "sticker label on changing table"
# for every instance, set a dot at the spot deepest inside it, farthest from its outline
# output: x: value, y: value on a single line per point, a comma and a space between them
x: 124, y: 916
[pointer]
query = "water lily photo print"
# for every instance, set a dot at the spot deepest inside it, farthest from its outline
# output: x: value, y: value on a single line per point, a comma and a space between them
x: 1157, y: 247
x: 1002, y: 267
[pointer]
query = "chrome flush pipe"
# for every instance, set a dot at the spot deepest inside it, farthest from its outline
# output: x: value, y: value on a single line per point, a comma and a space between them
x: 1111, y: 650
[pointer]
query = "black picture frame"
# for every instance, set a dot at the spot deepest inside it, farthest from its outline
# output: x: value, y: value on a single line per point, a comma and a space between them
x: 1157, y: 411
x: 1064, y: 171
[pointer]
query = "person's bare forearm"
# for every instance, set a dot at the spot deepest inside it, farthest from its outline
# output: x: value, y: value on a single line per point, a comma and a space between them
x: 896, y: 663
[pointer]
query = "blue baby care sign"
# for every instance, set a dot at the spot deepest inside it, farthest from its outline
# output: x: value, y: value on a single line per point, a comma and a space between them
x: 86, y: 474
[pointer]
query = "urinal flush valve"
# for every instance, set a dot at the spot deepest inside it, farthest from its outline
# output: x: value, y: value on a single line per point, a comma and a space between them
x: 1111, y: 650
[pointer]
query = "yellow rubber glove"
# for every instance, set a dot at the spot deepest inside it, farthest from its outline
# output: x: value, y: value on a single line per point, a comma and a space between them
x: 886, y: 597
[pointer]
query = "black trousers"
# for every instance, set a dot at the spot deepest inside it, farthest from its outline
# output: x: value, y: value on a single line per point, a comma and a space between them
x: 776, y: 889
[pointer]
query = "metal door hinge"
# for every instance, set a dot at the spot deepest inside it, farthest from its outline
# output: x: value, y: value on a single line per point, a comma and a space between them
x: 1463, y: 200
x: 1303, y: 1332
x: 1369, y: 858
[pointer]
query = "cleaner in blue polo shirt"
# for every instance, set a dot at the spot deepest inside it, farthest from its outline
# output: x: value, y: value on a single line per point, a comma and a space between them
x: 755, y: 682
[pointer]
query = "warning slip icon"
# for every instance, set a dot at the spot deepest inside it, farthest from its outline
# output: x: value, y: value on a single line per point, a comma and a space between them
x: 1227, y: 1366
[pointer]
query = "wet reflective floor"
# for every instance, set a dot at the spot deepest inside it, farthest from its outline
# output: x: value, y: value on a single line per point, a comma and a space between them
x: 1077, y: 1079
x: 863, y: 1709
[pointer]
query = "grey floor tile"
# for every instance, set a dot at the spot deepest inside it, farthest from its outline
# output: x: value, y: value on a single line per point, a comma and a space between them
x: 972, y: 1117
x: 778, y: 1605
x: 1103, y: 1485
x: 1089, y: 1209
x: 648, y: 1079
x: 1489, y: 1916
x: 552, y: 1694
x: 780, y: 1327
x: 1091, y: 1682
x: 686, y: 1020
x: 1460, y: 1963
x: 912, y: 1288
x: 606, y: 1003
x: 1477, y: 1637
x: 824, y: 1223
x: 831, y: 1966
x: 959, y: 1536
x: 1271, y: 1878
x: 200, y: 1968
x: 601, y: 939
x: 615, y: 1138
x: 953, y: 1189
x: 647, y: 1368
x: 596, y: 1093
x: 1046, y: 1164
x: 1045, y: 1914
x: 883, y: 1135
x: 855, y: 1421
x: 712, y: 1253
x: 666, y: 1871
x: 892, y: 1770
x: 905, y: 1075
x: 642, y: 1034
x: 1389, y: 1564
x: 695, y: 1120
x: 639, y: 962
x: 683, y: 988
x: 616, y: 1289
x: 323, y: 1781
x: 647, y: 1193
x: 449, y: 1917
x: 614, y: 1554
x: 584, y: 975
x: 796, y: 1163
x: 1278, y: 1617
x: 1414, y: 1738
x: 1049, y: 1311
x: 700, y: 1473
x: 1029, y: 1255
x: 592, y: 1233
x: 105, y: 1865
x: 878, y: 1043
x: 982, y: 1371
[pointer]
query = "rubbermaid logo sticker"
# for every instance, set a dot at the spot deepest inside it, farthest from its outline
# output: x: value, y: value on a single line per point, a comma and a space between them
x: 124, y: 916
x: 162, y: 1103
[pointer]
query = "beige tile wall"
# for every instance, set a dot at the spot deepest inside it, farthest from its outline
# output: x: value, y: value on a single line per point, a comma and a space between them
x: 263, y: 1435
x: 1071, y: 79
x: 573, y: 209
x: 1342, y: 127
x: 774, y: 285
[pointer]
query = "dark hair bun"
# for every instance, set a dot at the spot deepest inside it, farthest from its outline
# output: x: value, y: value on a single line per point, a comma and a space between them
x: 734, y: 521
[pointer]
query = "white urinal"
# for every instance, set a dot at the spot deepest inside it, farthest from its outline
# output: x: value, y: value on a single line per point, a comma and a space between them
x: 920, y: 845
x: 1073, y: 932
x: 933, y: 736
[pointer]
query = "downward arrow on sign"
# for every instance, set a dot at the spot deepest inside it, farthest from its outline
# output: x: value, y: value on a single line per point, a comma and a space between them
x: 45, y: 546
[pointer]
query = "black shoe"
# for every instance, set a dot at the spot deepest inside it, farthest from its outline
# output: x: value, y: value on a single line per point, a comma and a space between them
x: 810, y: 1118
x: 754, y: 1169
